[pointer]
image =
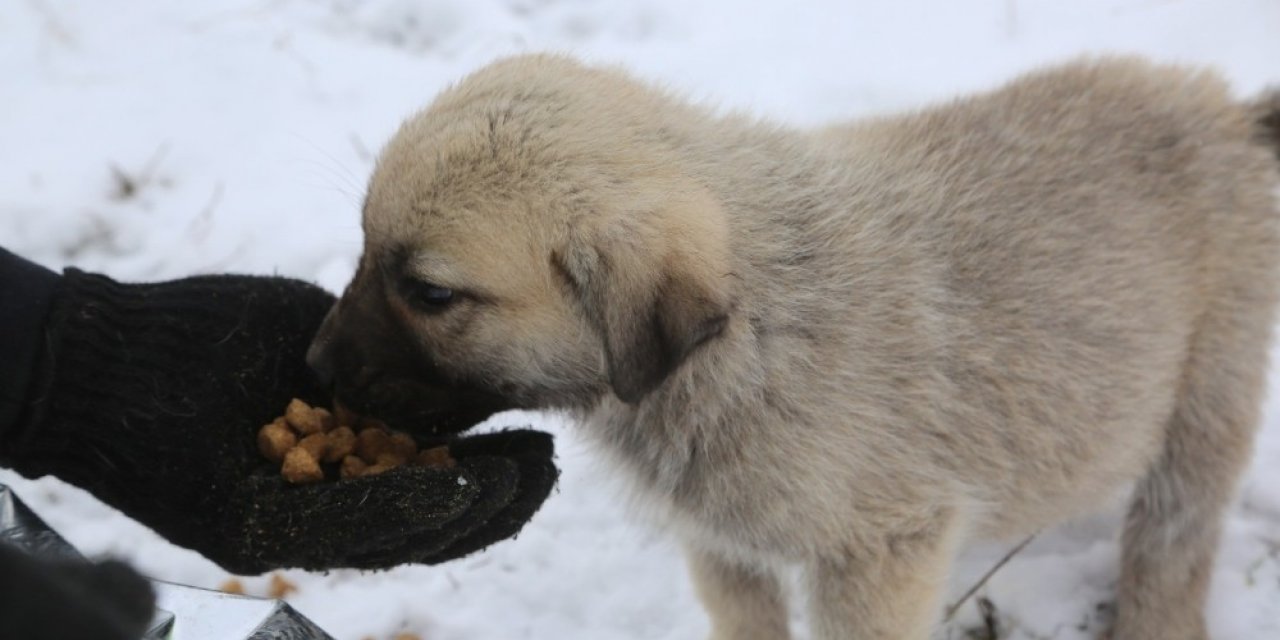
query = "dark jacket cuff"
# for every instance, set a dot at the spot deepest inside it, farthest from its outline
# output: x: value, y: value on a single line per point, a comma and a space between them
x: 26, y: 294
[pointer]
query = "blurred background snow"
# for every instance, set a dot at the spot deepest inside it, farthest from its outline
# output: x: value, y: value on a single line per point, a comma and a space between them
x: 150, y: 139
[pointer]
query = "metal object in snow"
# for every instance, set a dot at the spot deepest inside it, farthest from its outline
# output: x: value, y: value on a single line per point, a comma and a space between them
x: 182, y: 612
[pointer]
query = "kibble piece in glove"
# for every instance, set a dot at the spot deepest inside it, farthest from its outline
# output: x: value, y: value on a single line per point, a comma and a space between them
x: 312, y: 446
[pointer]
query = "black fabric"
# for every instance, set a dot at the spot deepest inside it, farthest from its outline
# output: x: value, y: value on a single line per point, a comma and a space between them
x: 26, y: 290
x: 529, y: 450
x: 43, y: 599
x: 152, y: 399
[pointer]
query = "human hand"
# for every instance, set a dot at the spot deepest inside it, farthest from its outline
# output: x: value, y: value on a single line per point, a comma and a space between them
x: 149, y: 396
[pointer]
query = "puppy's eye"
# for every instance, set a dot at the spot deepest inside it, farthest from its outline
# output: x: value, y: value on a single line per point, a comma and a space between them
x: 425, y: 295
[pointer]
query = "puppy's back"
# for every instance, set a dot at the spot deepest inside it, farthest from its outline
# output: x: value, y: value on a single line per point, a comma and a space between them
x: 1075, y: 225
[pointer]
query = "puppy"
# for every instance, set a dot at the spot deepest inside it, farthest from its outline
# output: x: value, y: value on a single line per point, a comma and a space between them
x: 850, y: 349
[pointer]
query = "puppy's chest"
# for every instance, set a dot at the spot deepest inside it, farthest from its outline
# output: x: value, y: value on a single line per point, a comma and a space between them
x: 656, y: 456
x: 684, y: 478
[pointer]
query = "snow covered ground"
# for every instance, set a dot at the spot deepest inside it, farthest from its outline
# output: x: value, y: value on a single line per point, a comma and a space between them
x: 151, y: 139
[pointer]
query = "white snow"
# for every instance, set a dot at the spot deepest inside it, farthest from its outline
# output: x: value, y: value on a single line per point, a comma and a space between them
x: 248, y: 128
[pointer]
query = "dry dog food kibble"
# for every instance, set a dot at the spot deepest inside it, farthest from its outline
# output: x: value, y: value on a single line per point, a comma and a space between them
x: 312, y: 444
x: 342, y: 443
x: 300, y: 467
x: 306, y: 419
x: 435, y: 457
x: 352, y: 467
x: 275, y: 440
x: 280, y: 586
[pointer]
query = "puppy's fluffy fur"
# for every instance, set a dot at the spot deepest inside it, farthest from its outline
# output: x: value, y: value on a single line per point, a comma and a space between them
x: 857, y: 347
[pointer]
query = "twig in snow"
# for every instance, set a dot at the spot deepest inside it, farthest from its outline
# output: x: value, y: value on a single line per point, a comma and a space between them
x: 951, y: 611
x: 54, y: 26
x: 1272, y: 553
x: 127, y: 185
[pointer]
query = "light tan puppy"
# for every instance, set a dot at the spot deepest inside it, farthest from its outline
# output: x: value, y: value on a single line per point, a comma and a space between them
x: 851, y: 349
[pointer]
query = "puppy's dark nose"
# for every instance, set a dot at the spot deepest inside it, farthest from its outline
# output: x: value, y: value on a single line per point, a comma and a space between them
x: 321, y: 363
x: 320, y: 354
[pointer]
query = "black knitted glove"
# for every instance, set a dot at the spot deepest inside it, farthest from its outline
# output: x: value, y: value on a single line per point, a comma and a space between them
x: 150, y: 397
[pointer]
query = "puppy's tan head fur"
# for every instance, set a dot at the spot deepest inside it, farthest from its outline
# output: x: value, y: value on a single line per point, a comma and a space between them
x: 577, y: 256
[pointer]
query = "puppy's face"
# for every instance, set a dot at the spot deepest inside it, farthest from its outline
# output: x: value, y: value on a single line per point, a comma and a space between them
x: 513, y: 260
x: 463, y: 299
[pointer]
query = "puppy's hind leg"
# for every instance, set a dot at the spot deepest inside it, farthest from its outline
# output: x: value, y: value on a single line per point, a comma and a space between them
x: 1174, y: 520
x: 745, y: 603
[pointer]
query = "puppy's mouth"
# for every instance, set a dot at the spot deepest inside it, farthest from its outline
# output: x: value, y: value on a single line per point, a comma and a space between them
x: 425, y: 409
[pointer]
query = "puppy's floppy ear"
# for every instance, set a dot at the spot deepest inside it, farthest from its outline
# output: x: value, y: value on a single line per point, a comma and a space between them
x: 654, y: 286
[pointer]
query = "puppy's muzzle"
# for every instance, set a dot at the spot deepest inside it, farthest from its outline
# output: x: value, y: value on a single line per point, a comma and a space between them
x: 374, y: 367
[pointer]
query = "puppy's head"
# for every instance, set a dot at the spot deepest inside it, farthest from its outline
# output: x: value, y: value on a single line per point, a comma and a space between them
x: 532, y: 238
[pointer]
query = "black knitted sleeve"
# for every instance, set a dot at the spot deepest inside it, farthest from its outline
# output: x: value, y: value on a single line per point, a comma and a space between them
x: 26, y: 290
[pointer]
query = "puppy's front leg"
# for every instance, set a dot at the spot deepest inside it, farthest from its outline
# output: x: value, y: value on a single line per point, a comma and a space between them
x: 886, y: 591
x: 744, y: 603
